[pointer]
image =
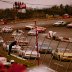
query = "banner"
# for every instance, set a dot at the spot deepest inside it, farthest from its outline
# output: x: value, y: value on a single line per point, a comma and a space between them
x: 23, y: 6
x: 19, y: 5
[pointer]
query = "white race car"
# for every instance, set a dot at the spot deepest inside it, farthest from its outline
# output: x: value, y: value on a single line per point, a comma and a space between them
x: 29, y: 54
x: 30, y: 26
x: 59, y: 23
x: 32, y: 32
x: 17, y: 33
x: 69, y: 25
x: 7, y: 29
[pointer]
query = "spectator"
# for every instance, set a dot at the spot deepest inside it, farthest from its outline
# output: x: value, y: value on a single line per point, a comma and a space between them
x: 10, y: 46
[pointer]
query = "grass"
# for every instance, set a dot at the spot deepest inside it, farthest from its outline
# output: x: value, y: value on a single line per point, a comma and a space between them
x: 9, y: 57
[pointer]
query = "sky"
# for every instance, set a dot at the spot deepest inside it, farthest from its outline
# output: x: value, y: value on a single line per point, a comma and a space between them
x: 42, y: 2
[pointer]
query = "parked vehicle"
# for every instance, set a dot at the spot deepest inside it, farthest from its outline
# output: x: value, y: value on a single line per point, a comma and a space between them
x: 17, y: 33
x: 44, y: 48
x: 22, y: 41
x: 69, y: 25
x: 41, y: 29
x: 66, y: 16
x: 30, y: 26
x: 63, y: 39
x: 7, y: 29
x: 29, y: 54
x: 60, y: 23
x: 32, y: 32
x: 3, y: 21
x: 62, y: 54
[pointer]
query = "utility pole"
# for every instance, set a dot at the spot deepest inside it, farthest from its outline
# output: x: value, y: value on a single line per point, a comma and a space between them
x: 37, y: 42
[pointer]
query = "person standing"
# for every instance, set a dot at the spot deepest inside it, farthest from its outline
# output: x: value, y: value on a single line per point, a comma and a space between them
x: 10, y: 46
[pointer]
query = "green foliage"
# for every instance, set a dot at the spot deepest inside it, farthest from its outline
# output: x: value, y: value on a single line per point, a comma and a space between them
x: 36, y: 13
x: 26, y: 62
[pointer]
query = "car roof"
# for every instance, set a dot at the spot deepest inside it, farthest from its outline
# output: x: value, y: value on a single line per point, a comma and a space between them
x: 60, y: 21
x: 30, y: 25
x: 43, y: 46
x: 29, y: 51
x: 7, y: 27
x: 64, y: 49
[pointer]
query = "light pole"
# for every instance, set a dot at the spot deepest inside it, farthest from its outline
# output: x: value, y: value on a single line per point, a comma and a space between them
x: 37, y: 42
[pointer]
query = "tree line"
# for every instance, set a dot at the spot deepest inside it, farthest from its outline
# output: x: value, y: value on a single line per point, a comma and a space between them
x: 36, y: 13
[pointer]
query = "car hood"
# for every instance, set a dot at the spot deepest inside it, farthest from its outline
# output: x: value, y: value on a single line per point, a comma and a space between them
x: 65, y: 54
x: 57, y: 23
x: 69, y: 25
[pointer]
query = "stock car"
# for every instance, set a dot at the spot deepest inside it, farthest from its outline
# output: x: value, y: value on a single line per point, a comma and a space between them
x: 60, y: 23
x: 44, y: 48
x: 29, y: 54
x: 30, y: 26
x: 32, y: 32
x: 69, y: 25
x: 41, y: 29
x: 17, y: 32
x: 7, y: 29
x: 62, y: 54
x: 22, y: 41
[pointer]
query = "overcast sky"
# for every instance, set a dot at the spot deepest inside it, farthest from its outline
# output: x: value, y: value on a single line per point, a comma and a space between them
x: 43, y: 2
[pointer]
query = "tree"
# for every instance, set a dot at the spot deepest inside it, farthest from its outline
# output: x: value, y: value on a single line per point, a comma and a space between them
x: 61, y: 10
x: 68, y: 9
